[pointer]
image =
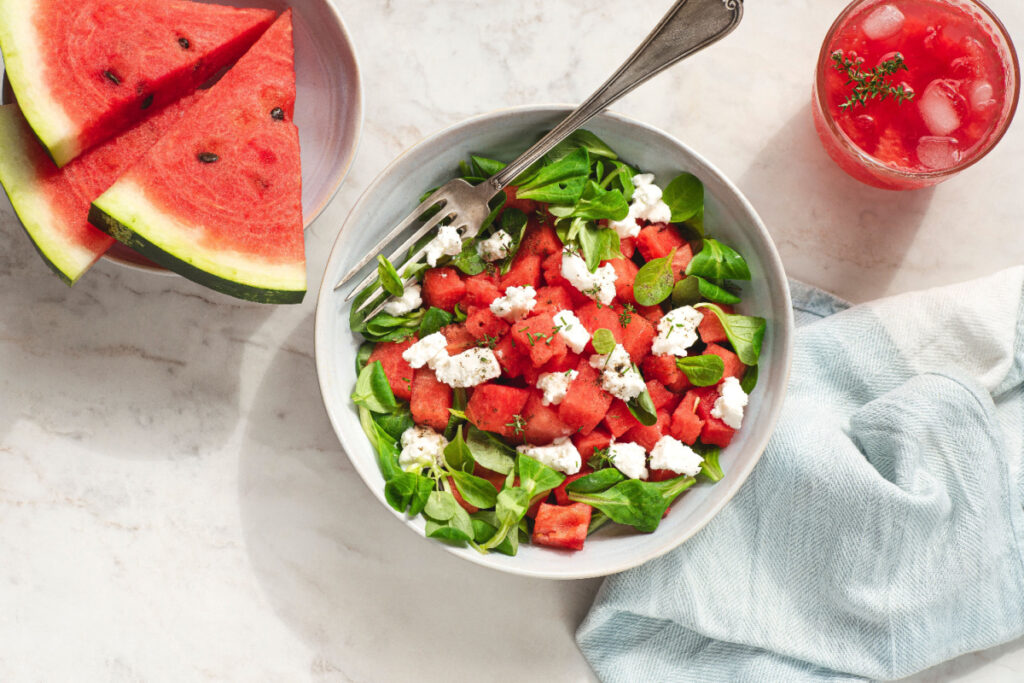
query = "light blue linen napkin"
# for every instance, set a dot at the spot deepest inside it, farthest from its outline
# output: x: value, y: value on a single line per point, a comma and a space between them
x: 883, y: 530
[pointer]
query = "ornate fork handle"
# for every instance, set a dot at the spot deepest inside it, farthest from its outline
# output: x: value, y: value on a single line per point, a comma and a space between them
x: 689, y: 26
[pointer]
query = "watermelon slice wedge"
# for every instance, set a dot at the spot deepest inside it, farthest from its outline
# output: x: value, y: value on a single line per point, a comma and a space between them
x: 53, y: 203
x: 86, y: 70
x: 219, y: 198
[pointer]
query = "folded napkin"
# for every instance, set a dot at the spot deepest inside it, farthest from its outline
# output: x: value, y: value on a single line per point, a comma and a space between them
x: 883, y: 530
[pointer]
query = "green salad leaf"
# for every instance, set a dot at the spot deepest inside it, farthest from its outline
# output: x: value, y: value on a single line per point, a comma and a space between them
x: 745, y: 332
x: 408, y: 492
x: 490, y: 452
x: 640, y: 504
x: 642, y: 408
x: 388, y: 277
x: 749, y: 380
x: 595, y: 482
x: 603, y: 341
x: 702, y: 371
x: 710, y: 468
x: 719, y: 262
x: 433, y: 320
x: 560, y: 182
x: 457, y: 455
x: 654, y: 281
x: 476, y: 491
x: 373, y: 391
x: 685, y: 197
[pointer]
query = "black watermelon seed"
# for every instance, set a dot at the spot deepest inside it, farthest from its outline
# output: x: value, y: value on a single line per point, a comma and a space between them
x: 184, y: 43
x: 148, y: 101
x: 277, y: 113
x: 207, y: 157
x: 112, y: 78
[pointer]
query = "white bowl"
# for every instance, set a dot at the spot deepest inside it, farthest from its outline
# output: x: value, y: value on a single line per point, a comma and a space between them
x: 503, y: 135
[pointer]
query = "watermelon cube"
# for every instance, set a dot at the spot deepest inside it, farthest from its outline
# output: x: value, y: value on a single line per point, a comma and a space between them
x: 586, y: 403
x: 524, y: 271
x: 443, y: 288
x: 540, y: 239
x: 627, y: 247
x: 561, y: 495
x: 686, y: 425
x: 710, y: 328
x: 562, y: 526
x: 637, y: 336
x: 497, y: 479
x: 593, y: 316
x: 684, y: 254
x: 483, y: 325
x: 618, y: 419
x: 658, y: 240
x: 562, y: 363
x: 511, y: 357
x: 552, y: 299
x: 734, y: 367
x: 706, y: 397
x: 481, y: 290
x: 537, y: 336
x: 542, y: 422
x: 459, y: 338
x: 648, y: 437
x: 527, y: 206
x: 398, y: 371
x: 587, y: 443
x: 665, y: 370
x: 430, y: 400
x: 625, y: 275
x: 662, y: 398
x: 493, y: 408
x: 654, y: 314
x: 716, y: 433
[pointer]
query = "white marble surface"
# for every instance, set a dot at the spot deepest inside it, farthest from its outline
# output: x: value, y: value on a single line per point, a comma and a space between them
x: 173, y: 503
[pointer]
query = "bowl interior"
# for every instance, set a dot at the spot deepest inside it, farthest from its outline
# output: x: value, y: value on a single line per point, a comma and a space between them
x: 504, y: 135
x: 328, y: 106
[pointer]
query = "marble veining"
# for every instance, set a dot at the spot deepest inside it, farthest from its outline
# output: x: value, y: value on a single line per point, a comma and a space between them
x: 173, y: 503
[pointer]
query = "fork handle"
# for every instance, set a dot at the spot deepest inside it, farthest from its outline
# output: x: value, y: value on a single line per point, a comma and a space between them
x: 689, y: 26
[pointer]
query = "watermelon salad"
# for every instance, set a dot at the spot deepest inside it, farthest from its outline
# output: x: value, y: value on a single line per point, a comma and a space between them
x: 580, y: 361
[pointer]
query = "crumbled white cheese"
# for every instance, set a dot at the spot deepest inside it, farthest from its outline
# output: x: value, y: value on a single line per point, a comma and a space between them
x: 421, y: 448
x: 495, y: 247
x: 629, y: 458
x: 730, y: 402
x: 571, y: 330
x: 672, y: 454
x: 469, y: 368
x: 517, y: 302
x: 447, y: 243
x: 646, y: 205
x: 560, y: 455
x: 409, y: 301
x: 677, y: 331
x: 430, y: 350
x: 599, y: 285
x: 555, y: 386
x: 618, y: 377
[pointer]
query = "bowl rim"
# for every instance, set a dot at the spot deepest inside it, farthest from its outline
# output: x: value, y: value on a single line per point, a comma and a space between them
x: 774, y: 272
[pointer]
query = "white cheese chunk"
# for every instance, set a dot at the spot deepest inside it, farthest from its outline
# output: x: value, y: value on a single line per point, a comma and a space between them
x: 421, y: 448
x: 599, y: 285
x: 495, y: 247
x: 571, y: 330
x: 409, y: 301
x: 629, y: 458
x: 468, y: 368
x: 517, y: 302
x: 430, y: 350
x: 618, y: 376
x: 646, y: 204
x: 555, y: 386
x: 677, y: 331
x: 672, y: 454
x: 730, y: 402
x: 447, y: 243
x: 560, y: 455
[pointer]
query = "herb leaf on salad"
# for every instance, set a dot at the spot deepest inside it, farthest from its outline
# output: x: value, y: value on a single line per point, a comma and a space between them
x: 745, y: 332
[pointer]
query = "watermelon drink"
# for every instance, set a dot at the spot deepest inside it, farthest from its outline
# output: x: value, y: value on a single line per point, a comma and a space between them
x: 910, y: 92
x: 582, y: 360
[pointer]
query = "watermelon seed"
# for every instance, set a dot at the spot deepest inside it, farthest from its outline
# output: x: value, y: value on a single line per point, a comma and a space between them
x: 277, y: 113
x: 148, y: 101
x: 207, y: 157
x: 184, y: 43
x: 112, y: 78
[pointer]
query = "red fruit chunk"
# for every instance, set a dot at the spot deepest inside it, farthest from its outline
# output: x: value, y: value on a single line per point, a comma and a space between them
x: 734, y: 367
x: 524, y: 271
x: 511, y: 357
x: 443, y: 288
x: 662, y: 475
x: 553, y: 299
x: 618, y: 419
x: 562, y: 363
x: 594, y: 316
x: 628, y: 247
x: 653, y: 314
x: 542, y: 422
x: 586, y: 403
x: 706, y: 397
x: 497, y: 479
x: 398, y: 371
x: 665, y: 370
x: 459, y: 338
x: 460, y: 500
x: 625, y: 275
x: 710, y: 328
x: 562, y: 526
x: 482, y: 324
x: 716, y: 432
x: 658, y: 240
x: 536, y: 336
x: 684, y: 255
x: 638, y: 336
x: 430, y: 400
x: 686, y: 426
x: 527, y: 206
x: 648, y: 436
x: 586, y: 444
x: 493, y: 408
x: 662, y: 398
x: 481, y: 290
x: 561, y: 495
x: 540, y: 239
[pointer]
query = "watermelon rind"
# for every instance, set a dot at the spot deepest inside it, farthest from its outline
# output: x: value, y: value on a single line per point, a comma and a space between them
x: 20, y: 42
x: 18, y: 176
x: 125, y: 213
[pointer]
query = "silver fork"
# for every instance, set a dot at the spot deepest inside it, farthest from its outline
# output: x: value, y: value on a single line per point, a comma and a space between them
x: 689, y: 26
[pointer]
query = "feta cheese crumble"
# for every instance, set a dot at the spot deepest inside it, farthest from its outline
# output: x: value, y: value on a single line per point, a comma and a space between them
x: 571, y: 330
x: 469, y: 368
x: 430, y: 350
x: 421, y: 448
x: 672, y: 454
x: 555, y: 386
x: 409, y: 301
x: 677, y: 331
x: 730, y: 402
x: 517, y: 302
x: 447, y: 243
x: 560, y: 455
x: 629, y: 458
x: 599, y: 285
x: 495, y: 247
x: 619, y: 378
x: 647, y: 204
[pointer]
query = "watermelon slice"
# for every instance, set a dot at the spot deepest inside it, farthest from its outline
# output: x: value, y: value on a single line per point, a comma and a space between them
x: 86, y: 70
x: 53, y: 203
x: 219, y: 198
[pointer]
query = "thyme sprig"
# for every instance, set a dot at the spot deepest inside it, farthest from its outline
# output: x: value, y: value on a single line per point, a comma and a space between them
x: 870, y: 85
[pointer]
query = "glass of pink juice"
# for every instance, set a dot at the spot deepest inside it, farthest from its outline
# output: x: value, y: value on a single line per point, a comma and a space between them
x: 910, y: 92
